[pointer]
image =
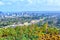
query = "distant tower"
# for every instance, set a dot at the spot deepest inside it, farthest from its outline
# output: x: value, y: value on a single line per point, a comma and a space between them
x: 8, y: 14
x: 22, y: 13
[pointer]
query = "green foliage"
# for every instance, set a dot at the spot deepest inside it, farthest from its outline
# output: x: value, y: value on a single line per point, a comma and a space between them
x: 32, y: 32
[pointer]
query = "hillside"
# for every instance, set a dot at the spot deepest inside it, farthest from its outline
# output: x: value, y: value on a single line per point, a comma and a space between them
x: 32, y: 32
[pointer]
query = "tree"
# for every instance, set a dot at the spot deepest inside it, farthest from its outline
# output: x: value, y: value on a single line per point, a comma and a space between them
x: 45, y: 27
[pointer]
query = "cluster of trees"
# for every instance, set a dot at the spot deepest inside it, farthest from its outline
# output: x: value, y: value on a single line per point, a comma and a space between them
x: 10, y: 21
x: 32, y: 32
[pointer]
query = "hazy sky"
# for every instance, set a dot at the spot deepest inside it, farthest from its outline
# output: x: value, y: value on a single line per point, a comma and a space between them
x: 29, y: 5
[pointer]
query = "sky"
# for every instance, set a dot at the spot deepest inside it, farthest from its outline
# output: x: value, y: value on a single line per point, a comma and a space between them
x: 29, y: 5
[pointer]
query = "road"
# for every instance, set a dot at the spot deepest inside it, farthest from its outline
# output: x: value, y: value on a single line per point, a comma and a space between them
x: 26, y: 23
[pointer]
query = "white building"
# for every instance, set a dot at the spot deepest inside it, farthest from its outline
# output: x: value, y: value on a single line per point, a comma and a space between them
x: 26, y: 23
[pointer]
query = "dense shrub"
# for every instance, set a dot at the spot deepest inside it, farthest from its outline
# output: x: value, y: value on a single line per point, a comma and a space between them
x: 32, y: 32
